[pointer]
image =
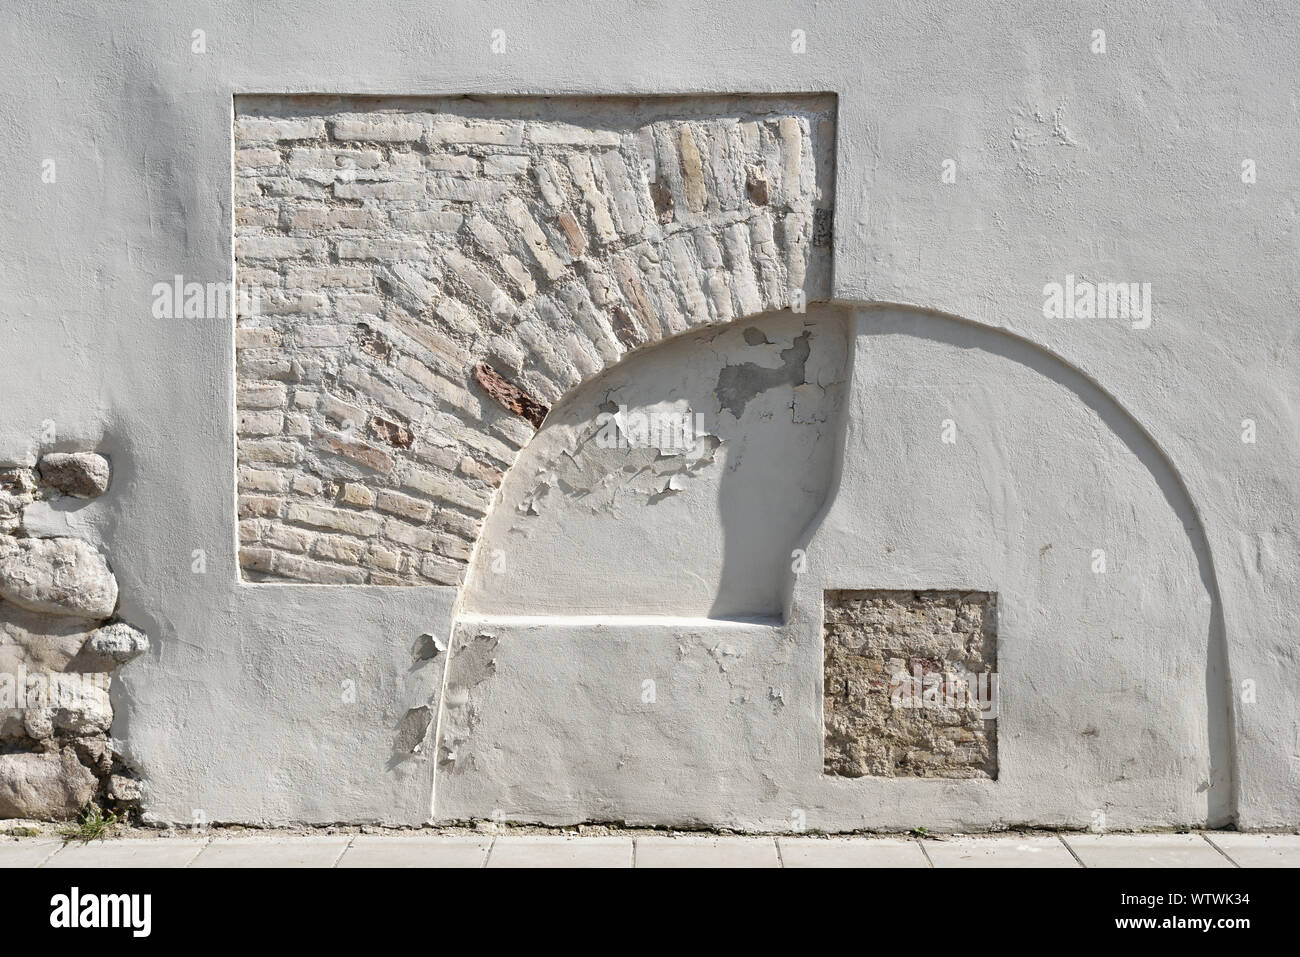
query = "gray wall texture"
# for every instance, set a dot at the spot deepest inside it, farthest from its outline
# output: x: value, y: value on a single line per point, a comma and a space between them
x: 990, y: 162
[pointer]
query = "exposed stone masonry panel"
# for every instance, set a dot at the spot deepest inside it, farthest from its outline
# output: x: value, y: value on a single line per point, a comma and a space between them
x: 910, y: 684
x: 58, y: 648
x: 394, y: 247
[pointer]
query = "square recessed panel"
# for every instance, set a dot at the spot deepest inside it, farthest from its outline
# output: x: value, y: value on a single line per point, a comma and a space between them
x: 910, y: 685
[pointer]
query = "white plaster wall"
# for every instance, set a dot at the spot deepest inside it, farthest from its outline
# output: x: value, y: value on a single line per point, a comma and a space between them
x: 1111, y: 703
x: 1124, y: 166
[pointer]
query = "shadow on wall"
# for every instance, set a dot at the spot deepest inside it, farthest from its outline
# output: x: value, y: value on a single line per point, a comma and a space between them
x: 676, y: 483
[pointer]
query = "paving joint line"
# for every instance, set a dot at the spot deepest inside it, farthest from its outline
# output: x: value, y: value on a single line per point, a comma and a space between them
x: 1207, y: 840
x: 203, y: 846
x: 50, y: 856
x: 346, y: 847
x: 1061, y: 837
x: 924, y: 853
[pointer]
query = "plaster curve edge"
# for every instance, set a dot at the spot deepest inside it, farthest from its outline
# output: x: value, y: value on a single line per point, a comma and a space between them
x: 1092, y: 393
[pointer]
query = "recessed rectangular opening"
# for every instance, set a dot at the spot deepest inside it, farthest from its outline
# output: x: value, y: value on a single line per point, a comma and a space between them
x: 910, y: 684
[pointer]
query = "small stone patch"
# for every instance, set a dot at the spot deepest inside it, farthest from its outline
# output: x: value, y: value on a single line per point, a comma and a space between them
x: 910, y: 689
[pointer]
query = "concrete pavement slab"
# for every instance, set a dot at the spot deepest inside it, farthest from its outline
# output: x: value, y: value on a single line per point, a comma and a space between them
x: 273, y: 852
x: 129, y: 852
x: 546, y: 851
x: 1145, y: 850
x: 1010, y: 851
x: 1259, y: 850
x: 706, y: 852
x: 367, y: 851
x: 850, y: 852
x: 26, y: 852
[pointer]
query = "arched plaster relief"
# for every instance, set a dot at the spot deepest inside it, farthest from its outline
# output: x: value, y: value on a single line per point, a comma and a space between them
x: 1114, y: 684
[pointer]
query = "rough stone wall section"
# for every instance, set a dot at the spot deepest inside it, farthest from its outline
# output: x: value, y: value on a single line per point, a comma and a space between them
x: 393, y: 247
x: 57, y: 651
x: 910, y: 684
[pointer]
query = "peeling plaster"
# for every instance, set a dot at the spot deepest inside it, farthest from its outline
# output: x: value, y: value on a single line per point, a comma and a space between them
x: 738, y: 384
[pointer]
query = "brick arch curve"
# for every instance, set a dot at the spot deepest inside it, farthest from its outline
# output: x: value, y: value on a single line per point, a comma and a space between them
x: 429, y: 276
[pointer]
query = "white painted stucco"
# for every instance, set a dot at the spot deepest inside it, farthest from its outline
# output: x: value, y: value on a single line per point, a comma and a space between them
x: 1122, y: 166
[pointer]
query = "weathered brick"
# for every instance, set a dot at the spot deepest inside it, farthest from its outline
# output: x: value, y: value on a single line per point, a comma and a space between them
x: 321, y: 335
x: 251, y: 158
x: 337, y: 548
x: 403, y: 506
x: 566, y: 134
x: 319, y: 516
x: 345, y: 414
x: 470, y: 131
x: 538, y: 245
x: 584, y: 178
x: 462, y: 190
x: 421, y: 539
x: 262, y: 395
x: 288, y: 538
x: 458, y: 524
x: 261, y: 480
x: 298, y: 424
x: 265, y: 129
x: 692, y: 172
x: 451, y: 163
x: 358, y: 495
x: 305, y: 484
x: 279, y: 247
x: 377, y: 130
x: 379, y: 557
x: 441, y: 571
x: 506, y: 164
x: 268, y: 451
x: 477, y: 470
x: 446, y: 489
x: 382, y: 392
x: 379, y: 191
x: 390, y: 432
x: 306, y: 219
x: 426, y: 220
x: 354, y: 450
x: 259, y: 506
x: 340, y: 276
x: 443, y: 457
x: 260, y: 423
x: 312, y: 157
x: 304, y: 569
x: 389, y: 249
x: 256, y: 559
